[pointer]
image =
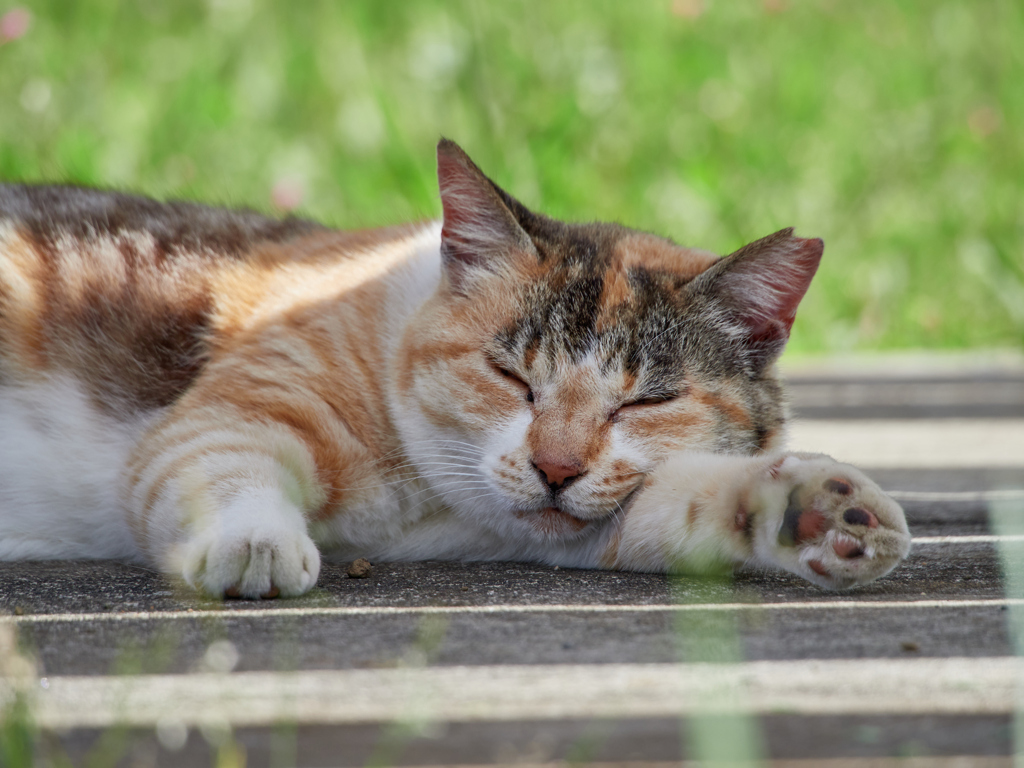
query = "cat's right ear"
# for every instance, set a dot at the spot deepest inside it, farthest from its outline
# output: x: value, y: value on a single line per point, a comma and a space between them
x: 758, y: 289
x: 480, y: 234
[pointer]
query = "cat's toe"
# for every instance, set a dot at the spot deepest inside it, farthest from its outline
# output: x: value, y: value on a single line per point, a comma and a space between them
x: 838, y: 529
x: 252, y: 564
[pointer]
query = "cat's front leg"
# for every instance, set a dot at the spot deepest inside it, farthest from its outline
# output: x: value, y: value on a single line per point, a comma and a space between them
x: 804, y: 513
x: 254, y: 546
x: 226, y: 508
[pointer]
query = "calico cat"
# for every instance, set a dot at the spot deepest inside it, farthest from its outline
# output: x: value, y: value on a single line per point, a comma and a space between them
x: 223, y: 395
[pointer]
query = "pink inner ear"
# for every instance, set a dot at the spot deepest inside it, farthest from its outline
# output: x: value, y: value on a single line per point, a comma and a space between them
x: 458, y: 197
x: 477, y: 225
x: 805, y: 259
x: 769, y: 284
x: 461, y: 198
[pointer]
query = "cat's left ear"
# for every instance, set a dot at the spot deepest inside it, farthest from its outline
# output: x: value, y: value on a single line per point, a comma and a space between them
x: 760, y: 286
x: 480, y: 232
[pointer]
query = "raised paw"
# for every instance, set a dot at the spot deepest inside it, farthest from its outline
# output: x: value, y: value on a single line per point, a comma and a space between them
x: 829, y: 523
x: 251, y: 560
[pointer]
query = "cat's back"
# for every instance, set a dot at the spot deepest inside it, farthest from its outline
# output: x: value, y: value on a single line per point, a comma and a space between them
x: 54, y: 213
x: 126, y: 294
x: 115, y: 289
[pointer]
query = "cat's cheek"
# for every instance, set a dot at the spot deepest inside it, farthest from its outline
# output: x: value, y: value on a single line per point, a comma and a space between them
x: 507, y: 461
x: 466, y: 398
x: 667, y: 430
x: 476, y: 393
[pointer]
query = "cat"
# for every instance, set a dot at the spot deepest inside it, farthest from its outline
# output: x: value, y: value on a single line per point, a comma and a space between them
x: 222, y: 395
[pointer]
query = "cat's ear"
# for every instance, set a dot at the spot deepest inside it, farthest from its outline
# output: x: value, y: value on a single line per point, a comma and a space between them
x: 760, y: 286
x: 480, y: 232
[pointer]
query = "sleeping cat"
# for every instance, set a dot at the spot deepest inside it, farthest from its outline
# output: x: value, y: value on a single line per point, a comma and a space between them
x: 223, y: 395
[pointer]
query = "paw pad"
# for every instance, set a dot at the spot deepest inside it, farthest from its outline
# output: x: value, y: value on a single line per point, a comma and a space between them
x: 838, y: 485
x: 847, y: 548
x: 800, y: 524
x: 818, y: 567
x: 838, y: 528
x: 858, y: 516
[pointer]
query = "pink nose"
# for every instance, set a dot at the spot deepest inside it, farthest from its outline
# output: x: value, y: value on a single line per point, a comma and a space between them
x: 557, y: 475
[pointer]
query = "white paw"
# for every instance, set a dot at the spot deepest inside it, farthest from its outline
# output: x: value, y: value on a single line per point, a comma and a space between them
x: 262, y: 556
x: 828, y: 522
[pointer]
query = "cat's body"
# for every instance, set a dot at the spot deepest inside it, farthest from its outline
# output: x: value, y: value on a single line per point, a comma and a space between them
x: 211, y: 392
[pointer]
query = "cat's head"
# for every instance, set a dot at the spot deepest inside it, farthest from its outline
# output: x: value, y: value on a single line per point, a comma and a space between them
x: 559, y: 363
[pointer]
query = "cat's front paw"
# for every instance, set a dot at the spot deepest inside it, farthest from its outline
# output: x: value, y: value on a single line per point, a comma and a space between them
x: 251, y: 560
x: 828, y: 522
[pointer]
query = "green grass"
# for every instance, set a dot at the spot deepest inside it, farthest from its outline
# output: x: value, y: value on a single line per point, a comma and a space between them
x: 892, y: 128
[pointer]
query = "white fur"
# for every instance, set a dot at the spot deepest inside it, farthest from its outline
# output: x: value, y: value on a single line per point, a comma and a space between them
x: 413, y: 282
x: 60, y: 467
x: 256, y: 541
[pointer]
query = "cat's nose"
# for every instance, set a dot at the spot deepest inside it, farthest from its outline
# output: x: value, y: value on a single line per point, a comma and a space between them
x: 557, y: 475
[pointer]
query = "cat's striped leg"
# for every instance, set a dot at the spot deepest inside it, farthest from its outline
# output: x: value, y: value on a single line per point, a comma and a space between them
x: 804, y: 513
x: 223, y: 502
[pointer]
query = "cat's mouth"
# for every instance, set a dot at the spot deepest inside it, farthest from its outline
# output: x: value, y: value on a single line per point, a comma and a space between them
x: 553, y: 521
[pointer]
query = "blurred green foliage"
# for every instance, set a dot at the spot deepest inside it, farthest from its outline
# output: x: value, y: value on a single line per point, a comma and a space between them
x: 891, y: 128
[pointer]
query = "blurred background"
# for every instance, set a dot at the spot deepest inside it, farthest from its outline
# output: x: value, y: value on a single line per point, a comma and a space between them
x: 894, y: 129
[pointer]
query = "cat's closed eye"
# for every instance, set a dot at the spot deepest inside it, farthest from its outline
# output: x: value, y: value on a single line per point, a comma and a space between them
x: 654, y: 400
x: 642, y: 403
x: 516, y: 380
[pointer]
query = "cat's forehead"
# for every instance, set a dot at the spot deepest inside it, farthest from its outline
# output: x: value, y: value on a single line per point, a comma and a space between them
x: 609, y: 293
x: 603, y: 246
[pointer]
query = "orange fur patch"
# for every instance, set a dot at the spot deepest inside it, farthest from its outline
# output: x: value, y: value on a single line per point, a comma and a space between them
x: 23, y: 274
x: 694, y: 511
x: 723, y: 404
x: 609, y: 558
x: 639, y: 249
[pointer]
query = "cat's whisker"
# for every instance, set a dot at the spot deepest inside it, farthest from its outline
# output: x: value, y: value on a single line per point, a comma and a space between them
x: 453, y: 441
x: 433, y: 482
x: 436, y: 496
x: 424, y: 443
x: 445, y: 489
x: 621, y: 513
x: 447, y: 473
x: 439, y: 490
x: 414, y: 467
x: 455, y: 458
x: 450, y: 484
x: 373, y: 486
x: 444, y: 442
x: 461, y: 465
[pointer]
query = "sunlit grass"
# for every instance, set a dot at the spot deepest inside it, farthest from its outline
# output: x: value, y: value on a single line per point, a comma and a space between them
x: 891, y: 129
